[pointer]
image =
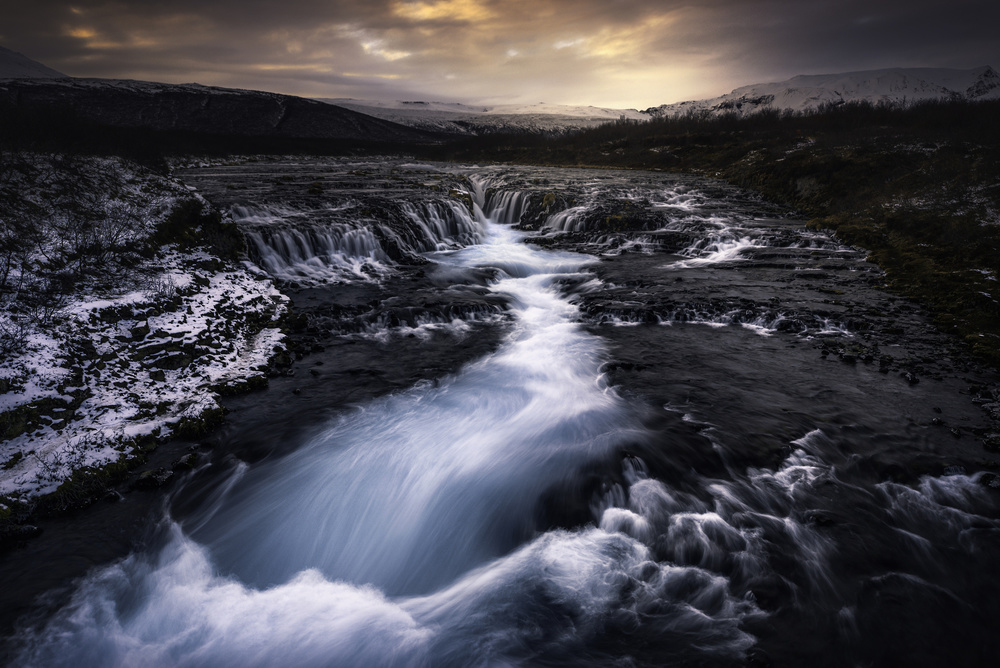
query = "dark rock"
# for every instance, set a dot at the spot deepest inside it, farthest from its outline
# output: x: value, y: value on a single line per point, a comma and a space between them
x: 186, y: 463
x: 758, y: 658
x: 910, y: 377
x: 991, y: 480
x: 173, y: 362
x: 139, y: 333
x: 158, y: 375
x: 152, y: 479
x: 937, y: 422
x: 113, y: 496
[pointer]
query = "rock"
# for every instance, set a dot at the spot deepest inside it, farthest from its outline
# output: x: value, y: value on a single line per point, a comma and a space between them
x: 991, y: 480
x: 910, y: 377
x: 113, y: 496
x: 139, y: 333
x: 937, y: 422
x: 153, y: 479
x: 186, y: 463
x: 13, y: 533
x: 173, y: 362
x: 158, y: 375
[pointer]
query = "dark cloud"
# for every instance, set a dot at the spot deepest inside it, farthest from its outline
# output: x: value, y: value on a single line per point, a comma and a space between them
x: 612, y: 52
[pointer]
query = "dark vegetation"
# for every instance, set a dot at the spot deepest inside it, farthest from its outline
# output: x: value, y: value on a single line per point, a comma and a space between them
x: 918, y: 187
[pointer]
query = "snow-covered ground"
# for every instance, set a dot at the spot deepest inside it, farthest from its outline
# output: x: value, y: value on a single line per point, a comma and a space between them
x: 134, y: 359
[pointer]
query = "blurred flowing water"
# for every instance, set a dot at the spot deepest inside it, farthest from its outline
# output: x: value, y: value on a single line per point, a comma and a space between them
x: 656, y: 464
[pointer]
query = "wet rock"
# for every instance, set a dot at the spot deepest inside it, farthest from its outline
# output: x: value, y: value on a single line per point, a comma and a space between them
x: 157, y: 375
x: 954, y: 470
x: 991, y: 480
x: 186, y: 463
x: 937, y: 422
x: 758, y: 658
x: 12, y: 534
x: 910, y: 377
x: 153, y: 479
x: 113, y: 496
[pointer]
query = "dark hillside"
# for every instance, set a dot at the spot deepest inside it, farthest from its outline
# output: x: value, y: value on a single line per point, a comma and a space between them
x: 156, y: 109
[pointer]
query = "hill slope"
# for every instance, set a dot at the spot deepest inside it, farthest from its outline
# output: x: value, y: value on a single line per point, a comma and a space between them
x: 14, y: 65
x: 801, y: 93
x: 193, y: 108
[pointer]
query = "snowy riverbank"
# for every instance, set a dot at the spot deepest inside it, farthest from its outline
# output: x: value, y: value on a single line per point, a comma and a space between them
x: 141, y: 345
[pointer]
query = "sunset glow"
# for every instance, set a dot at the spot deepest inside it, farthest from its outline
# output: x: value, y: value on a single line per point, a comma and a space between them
x: 624, y: 53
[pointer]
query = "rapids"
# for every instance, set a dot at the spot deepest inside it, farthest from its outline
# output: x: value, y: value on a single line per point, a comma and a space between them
x: 675, y: 451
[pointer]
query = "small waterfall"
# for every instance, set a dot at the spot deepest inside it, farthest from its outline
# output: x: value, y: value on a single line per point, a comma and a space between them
x: 507, y: 207
x: 568, y: 220
x: 343, y: 243
x: 318, y: 255
x: 442, y: 225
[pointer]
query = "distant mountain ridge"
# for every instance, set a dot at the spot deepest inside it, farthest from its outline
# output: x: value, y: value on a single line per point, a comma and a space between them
x: 467, y: 119
x: 14, y: 65
x: 808, y: 92
x: 198, y: 109
x: 800, y: 93
x: 26, y: 84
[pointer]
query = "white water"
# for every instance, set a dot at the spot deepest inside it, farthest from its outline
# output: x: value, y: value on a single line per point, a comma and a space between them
x: 305, y: 246
x: 403, y: 533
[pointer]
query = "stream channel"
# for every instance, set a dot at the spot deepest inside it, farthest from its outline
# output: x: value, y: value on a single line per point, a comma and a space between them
x: 559, y: 417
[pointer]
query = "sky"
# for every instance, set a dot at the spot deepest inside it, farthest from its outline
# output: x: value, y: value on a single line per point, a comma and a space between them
x: 611, y: 53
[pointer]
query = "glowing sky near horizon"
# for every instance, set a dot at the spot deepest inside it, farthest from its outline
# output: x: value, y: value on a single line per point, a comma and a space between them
x: 615, y: 53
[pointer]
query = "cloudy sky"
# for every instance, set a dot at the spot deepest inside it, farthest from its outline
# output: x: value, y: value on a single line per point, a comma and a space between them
x: 617, y: 53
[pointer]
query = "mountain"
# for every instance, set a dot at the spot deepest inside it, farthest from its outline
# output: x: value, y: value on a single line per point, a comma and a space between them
x: 801, y: 93
x: 196, y: 109
x: 14, y: 65
x: 463, y: 119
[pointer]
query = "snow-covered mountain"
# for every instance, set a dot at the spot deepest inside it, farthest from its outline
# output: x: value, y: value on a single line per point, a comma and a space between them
x: 801, y: 93
x: 14, y: 65
x: 466, y: 119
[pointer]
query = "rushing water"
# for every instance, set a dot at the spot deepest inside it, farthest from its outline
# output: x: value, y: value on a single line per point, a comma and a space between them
x: 655, y: 466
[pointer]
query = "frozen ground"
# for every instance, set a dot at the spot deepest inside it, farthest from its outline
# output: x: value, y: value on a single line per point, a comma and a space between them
x: 145, y: 354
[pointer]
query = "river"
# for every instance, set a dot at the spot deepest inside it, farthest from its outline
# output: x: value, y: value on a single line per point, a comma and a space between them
x: 563, y: 418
